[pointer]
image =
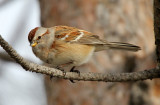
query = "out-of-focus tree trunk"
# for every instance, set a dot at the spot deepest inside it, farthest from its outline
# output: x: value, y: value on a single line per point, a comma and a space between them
x: 114, y: 20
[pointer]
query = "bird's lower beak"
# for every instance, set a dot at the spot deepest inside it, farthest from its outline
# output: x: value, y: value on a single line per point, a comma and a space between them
x: 34, y: 44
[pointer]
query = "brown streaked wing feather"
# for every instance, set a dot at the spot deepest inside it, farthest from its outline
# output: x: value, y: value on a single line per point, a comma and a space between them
x: 61, y: 31
x: 89, y: 38
x: 70, y: 34
x: 66, y: 33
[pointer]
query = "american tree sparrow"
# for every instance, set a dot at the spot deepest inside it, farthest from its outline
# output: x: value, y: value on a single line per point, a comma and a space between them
x: 68, y: 46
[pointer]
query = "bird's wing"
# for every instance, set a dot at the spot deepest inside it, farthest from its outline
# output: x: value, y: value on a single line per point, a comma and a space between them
x: 74, y: 35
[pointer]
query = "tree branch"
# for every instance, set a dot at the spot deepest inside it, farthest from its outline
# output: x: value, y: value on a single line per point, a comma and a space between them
x: 110, y: 77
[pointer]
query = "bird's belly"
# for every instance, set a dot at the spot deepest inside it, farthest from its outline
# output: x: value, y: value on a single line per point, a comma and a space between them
x: 71, y: 55
x: 57, y: 60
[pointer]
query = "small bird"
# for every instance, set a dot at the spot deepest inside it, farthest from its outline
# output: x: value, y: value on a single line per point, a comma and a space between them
x: 63, y: 46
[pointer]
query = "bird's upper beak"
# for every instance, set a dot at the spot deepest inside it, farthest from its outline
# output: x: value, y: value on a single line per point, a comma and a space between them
x: 34, y: 44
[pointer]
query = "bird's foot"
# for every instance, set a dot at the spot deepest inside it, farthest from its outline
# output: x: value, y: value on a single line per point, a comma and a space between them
x: 76, y: 71
x: 61, y: 69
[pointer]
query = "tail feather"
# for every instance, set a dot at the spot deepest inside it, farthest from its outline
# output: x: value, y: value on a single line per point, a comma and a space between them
x: 118, y: 45
x: 123, y: 46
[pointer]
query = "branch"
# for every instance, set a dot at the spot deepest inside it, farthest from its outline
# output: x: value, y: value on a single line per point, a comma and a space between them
x: 110, y: 77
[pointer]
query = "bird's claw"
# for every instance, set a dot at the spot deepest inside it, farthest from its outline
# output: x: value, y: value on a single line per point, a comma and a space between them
x: 76, y: 71
x: 61, y: 69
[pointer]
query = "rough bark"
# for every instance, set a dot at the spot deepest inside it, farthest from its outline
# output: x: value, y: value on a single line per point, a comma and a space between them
x: 157, y: 27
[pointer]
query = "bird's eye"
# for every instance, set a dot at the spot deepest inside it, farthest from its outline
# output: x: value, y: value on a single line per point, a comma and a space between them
x: 39, y: 37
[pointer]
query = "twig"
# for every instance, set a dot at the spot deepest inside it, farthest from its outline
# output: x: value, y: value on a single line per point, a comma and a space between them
x: 110, y: 77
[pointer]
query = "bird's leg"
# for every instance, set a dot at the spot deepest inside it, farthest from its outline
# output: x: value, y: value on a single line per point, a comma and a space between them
x: 72, y: 70
x: 60, y: 68
x: 63, y: 65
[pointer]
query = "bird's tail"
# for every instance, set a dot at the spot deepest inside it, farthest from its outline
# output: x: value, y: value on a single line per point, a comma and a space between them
x: 118, y: 45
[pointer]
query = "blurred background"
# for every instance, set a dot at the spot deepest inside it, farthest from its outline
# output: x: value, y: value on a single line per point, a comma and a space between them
x: 114, y: 20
